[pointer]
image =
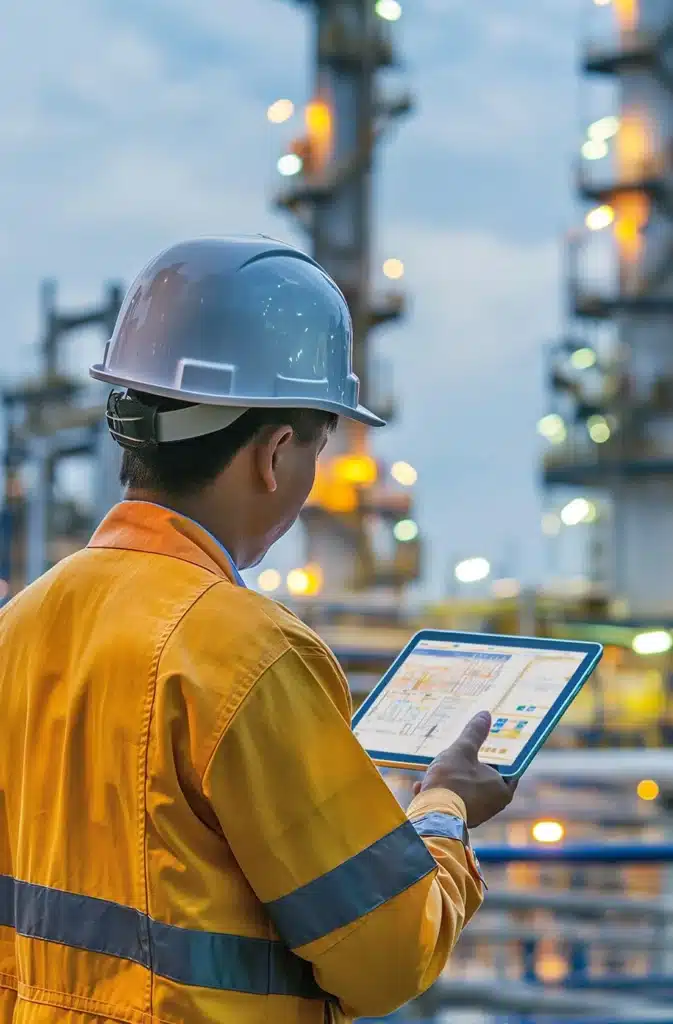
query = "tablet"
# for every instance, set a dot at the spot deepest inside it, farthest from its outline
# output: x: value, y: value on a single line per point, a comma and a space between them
x: 441, y: 679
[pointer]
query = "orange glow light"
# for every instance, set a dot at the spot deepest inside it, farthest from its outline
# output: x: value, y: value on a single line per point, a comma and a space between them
x: 632, y: 209
x: 318, y: 118
x: 627, y: 14
x: 356, y: 469
x: 648, y: 789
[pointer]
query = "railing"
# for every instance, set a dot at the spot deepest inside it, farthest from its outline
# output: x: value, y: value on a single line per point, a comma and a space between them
x: 616, y: 457
x: 572, y: 932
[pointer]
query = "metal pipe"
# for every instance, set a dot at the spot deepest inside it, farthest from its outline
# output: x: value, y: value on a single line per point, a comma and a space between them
x: 589, y: 853
x: 502, y: 933
x: 584, y: 903
x: 517, y: 997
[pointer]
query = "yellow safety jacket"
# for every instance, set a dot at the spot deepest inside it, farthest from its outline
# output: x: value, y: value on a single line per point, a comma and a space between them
x: 189, y: 831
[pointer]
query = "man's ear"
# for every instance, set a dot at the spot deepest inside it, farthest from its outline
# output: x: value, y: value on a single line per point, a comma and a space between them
x: 269, y: 452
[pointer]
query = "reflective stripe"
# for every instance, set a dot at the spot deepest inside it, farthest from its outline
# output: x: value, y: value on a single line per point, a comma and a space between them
x: 442, y: 826
x: 353, y: 889
x: 448, y: 826
x: 208, y: 959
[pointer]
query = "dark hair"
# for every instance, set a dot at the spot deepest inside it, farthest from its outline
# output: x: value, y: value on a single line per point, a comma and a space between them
x: 181, y: 467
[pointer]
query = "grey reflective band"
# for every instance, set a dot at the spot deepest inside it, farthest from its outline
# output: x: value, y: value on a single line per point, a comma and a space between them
x: 447, y: 826
x: 353, y: 889
x: 195, y: 421
x: 209, y: 959
x: 442, y: 826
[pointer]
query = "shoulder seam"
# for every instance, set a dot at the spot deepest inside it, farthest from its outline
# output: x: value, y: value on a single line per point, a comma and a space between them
x: 234, y: 705
x: 231, y: 704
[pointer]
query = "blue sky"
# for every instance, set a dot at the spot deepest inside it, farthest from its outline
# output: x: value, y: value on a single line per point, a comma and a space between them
x: 127, y: 125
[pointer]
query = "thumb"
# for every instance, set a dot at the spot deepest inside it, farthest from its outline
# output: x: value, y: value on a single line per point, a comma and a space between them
x: 476, y: 731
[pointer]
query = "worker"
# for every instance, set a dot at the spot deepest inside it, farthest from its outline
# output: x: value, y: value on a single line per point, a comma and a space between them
x: 189, y: 830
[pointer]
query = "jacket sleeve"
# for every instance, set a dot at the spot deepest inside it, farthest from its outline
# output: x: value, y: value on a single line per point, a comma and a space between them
x: 345, y: 876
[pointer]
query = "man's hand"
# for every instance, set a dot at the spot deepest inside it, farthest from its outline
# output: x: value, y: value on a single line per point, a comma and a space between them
x: 458, y: 768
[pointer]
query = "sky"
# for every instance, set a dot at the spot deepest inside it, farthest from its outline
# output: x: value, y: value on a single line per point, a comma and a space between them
x: 127, y: 125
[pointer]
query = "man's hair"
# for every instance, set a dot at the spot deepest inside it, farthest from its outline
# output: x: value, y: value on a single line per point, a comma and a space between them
x: 182, y: 467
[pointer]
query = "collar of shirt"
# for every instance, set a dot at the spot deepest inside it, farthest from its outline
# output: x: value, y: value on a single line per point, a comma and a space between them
x: 145, y: 526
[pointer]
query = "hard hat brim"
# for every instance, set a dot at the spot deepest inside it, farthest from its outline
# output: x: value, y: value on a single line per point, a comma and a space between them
x: 359, y: 413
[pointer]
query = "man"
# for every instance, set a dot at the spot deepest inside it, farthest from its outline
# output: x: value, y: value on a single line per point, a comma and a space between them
x: 189, y: 831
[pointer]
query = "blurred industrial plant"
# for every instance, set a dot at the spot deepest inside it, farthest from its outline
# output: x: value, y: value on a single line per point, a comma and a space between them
x: 578, y: 922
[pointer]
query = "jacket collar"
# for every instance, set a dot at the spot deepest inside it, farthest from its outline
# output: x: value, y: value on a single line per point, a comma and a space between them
x: 143, y: 526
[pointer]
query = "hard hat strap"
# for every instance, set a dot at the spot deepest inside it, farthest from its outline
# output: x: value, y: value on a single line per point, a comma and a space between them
x: 133, y: 424
x: 195, y: 420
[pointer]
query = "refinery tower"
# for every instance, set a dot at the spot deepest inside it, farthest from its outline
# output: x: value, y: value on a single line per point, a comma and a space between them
x: 359, y: 526
x: 610, y: 432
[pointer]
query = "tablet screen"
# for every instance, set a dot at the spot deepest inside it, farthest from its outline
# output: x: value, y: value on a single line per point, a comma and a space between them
x: 442, y: 684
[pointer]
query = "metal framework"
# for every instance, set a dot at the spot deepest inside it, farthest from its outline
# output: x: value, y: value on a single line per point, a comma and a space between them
x: 48, y: 420
x: 626, y: 398
x: 331, y: 199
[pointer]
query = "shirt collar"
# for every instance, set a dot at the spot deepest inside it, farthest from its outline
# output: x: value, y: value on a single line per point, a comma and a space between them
x: 146, y: 526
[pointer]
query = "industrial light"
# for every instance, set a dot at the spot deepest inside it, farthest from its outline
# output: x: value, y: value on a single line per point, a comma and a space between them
x: 269, y: 580
x: 355, y: 469
x: 394, y: 269
x: 599, y: 429
x: 548, y: 831
x: 604, y: 128
x: 647, y: 789
x: 318, y: 118
x: 600, y: 217
x: 594, y: 149
x: 551, y: 524
x: 553, y: 428
x: 297, y: 581
x: 405, y: 530
x: 472, y: 570
x: 304, y: 582
x: 404, y: 474
x: 389, y: 10
x: 655, y: 641
x: 289, y: 164
x: 551, y: 968
x: 583, y: 358
x: 577, y: 511
x: 281, y: 110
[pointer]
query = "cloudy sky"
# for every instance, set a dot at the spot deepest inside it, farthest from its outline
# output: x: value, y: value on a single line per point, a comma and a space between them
x: 127, y: 124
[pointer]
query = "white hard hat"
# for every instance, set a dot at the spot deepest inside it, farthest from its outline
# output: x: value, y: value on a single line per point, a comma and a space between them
x: 229, y: 324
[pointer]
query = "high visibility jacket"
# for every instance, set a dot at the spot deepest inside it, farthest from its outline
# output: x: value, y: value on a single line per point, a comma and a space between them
x: 189, y: 831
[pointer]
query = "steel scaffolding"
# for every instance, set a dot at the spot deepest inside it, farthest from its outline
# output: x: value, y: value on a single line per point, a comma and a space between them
x: 49, y: 419
x: 351, y: 517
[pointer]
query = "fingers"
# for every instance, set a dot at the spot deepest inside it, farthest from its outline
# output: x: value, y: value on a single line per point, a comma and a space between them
x: 476, y: 731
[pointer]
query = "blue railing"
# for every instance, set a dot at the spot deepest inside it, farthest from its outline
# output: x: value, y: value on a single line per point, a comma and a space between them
x: 578, y: 853
x: 637, y: 979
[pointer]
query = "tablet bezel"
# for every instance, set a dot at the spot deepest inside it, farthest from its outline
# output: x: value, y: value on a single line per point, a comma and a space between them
x: 592, y: 652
